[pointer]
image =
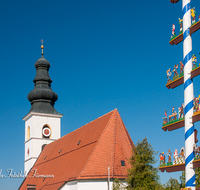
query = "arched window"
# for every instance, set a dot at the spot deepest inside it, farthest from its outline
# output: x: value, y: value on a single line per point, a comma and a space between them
x: 46, y: 132
x: 28, y: 133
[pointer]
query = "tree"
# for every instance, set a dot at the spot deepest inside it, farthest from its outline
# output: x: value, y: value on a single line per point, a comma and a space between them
x: 172, y: 184
x: 118, y: 185
x: 182, y: 178
x: 142, y: 175
x: 197, y: 177
x: 159, y: 186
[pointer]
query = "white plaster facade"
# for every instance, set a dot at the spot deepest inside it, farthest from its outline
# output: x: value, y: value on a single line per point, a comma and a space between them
x: 89, y: 185
x: 34, y: 138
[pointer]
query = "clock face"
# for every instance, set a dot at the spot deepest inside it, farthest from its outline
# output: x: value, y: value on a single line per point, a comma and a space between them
x: 46, y: 132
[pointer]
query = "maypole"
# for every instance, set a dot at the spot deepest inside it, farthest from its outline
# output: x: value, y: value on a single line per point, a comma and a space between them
x: 188, y: 95
x: 189, y: 112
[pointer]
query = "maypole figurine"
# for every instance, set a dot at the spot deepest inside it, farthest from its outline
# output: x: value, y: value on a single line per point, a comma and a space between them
x: 169, y: 153
x: 173, y: 31
x: 182, y: 154
x: 162, y: 158
x: 181, y: 25
x: 181, y: 112
x: 173, y: 115
x: 165, y: 118
x: 169, y: 74
x: 196, y: 151
x: 175, y: 156
x: 181, y: 67
x: 193, y: 13
x: 194, y: 61
x: 196, y: 104
x: 175, y: 72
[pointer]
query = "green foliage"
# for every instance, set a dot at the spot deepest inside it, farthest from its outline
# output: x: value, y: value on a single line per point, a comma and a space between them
x: 172, y: 184
x: 117, y: 185
x: 142, y: 175
x: 196, y: 66
x: 159, y: 187
x: 182, y: 178
x: 175, y: 77
x: 181, y: 74
x: 173, y: 37
x: 197, y: 176
x: 162, y: 165
x: 193, y: 68
x: 197, y: 157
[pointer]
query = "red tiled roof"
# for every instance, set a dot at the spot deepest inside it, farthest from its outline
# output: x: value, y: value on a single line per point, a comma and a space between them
x: 104, y: 142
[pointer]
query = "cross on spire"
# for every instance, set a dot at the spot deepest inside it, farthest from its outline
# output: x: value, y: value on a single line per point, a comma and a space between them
x: 42, y: 46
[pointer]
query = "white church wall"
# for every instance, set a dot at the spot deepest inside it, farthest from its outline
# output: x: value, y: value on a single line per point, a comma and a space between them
x: 34, y: 141
x: 72, y: 185
x: 36, y: 122
x: 33, y: 147
x: 87, y: 185
x: 28, y: 165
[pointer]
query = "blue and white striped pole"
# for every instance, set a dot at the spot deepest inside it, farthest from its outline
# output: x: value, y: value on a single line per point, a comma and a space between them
x: 188, y: 95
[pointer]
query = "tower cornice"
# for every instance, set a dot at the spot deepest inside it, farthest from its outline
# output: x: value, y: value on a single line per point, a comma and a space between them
x: 25, y: 118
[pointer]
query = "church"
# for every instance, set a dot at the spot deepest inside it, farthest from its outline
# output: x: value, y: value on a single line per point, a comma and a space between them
x: 89, y: 158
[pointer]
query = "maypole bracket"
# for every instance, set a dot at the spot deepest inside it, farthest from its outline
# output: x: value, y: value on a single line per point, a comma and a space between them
x: 179, y: 38
x: 174, y: 1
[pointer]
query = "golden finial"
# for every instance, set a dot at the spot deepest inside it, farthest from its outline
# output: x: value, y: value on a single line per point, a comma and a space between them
x: 42, y: 46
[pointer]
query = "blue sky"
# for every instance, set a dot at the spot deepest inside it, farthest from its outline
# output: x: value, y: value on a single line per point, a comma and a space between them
x: 104, y: 55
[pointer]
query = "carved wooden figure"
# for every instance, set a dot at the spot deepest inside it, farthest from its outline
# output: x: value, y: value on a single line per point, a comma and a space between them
x: 181, y: 67
x: 196, y: 149
x: 181, y: 24
x: 173, y: 30
x: 193, y: 13
x: 169, y: 74
x: 169, y: 155
x: 173, y: 115
x: 165, y: 118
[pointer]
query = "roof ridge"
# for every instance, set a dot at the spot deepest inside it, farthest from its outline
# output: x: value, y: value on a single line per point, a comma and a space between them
x: 130, y: 144
x: 96, y: 143
x: 114, y: 143
x: 98, y: 117
x: 127, y: 134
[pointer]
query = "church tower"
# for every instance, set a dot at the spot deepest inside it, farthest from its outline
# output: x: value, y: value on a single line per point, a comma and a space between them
x: 42, y: 123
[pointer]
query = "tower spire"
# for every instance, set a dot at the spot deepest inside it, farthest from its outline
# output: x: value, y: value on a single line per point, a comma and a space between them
x: 42, y: 97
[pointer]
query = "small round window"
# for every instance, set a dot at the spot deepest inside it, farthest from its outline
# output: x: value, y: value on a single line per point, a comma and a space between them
x: 46, y: 132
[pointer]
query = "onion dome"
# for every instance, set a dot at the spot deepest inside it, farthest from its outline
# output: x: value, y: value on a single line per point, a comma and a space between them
x: 42, y: 97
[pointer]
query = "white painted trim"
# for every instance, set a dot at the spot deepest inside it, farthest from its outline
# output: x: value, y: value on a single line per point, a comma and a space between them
x: 40, y: 139
x: 89, y: 184
x: 30, y: 159
x: 41, y: 114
